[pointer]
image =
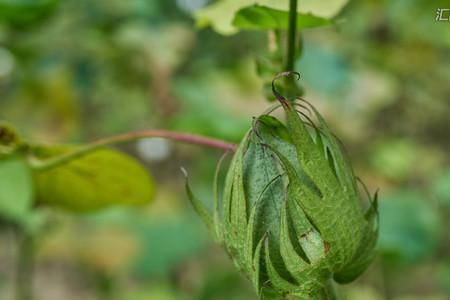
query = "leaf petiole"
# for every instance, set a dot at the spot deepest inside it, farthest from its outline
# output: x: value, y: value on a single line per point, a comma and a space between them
x: 42, y: 164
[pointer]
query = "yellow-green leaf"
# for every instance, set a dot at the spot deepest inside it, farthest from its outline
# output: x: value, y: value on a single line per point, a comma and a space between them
x: 16, y: 189
x: 93, y: 181
x: 259, y: 17
x: 220, y: 14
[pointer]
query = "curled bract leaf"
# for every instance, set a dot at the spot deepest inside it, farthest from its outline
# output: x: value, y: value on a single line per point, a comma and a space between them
x: 291, y: 216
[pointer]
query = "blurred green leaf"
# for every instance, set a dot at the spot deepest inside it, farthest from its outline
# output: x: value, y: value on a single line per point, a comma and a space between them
x: 168, y: 242
x: 409, y: 226
x: 405, y: 158
x: 366, y: 292
x: 324, y: 70
x: 445, y: 275
x: 93, y: 181
x: 22, y: 13
x: 220, y: 15
x: 159, y: 291
x: 261, y: 17
x: 396, y: 158
x: 217, y: 286
x: 199, y: 103
x: 441, y: 187
x: 16, y: 189
x: 273, y: 63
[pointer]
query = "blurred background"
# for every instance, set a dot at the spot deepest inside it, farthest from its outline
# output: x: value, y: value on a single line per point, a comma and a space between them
x: 77, y: 70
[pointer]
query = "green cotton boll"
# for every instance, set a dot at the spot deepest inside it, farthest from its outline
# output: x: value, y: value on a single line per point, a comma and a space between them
x: 291, y: 216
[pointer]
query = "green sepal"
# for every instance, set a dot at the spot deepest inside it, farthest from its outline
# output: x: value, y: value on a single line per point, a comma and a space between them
x: 256, y: 275
x: 276, y: 280
x: 310, y: 154
x: 218, y: 227
x: 295, y: 264
x: 366, y: 251
x: 308, y: 237
x: 343, y: 167
x: 249, y: 242
x: 201, y: 210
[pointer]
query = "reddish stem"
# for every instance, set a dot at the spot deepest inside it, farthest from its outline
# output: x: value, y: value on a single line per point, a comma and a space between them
x: 172, y: 135
x: 126, y: 137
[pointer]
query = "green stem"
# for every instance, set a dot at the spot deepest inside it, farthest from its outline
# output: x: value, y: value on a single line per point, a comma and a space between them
x: 177, y: 136
x: 292, y: 35
x: 105, y: 286
x: 327, y: 293
x: 331, y: 291
x: 386, y: 281
x: 25, y: 266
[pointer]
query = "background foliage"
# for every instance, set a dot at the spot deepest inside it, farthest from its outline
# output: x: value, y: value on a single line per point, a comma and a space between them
x: 74, y: 71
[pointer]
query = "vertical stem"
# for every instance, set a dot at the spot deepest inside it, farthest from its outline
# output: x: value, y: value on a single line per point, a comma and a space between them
x: 331, y: 291
x: 290, y: 88
x: 25, y: 266
x: 292, y: 35
x: 386, y: 281
x: 105, y: 286
x: 327, y: 293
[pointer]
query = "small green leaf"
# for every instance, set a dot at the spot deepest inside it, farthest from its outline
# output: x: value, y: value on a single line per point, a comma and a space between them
x: 16, y: 189
x: 258, y: 17
x: 93, y: 181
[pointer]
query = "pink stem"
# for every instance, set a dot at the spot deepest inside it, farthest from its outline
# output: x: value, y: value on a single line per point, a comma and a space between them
x: 130, y: 136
